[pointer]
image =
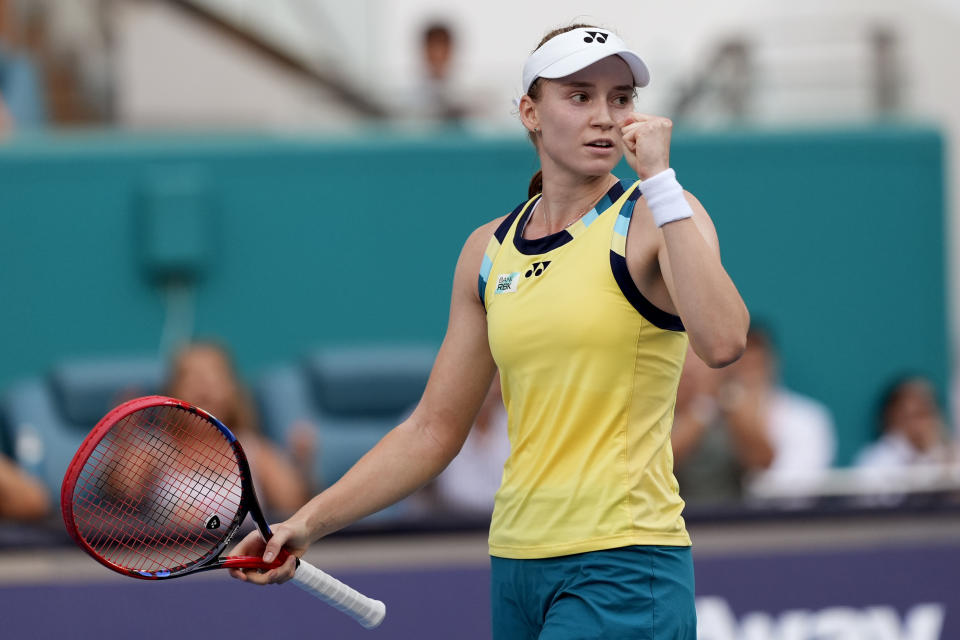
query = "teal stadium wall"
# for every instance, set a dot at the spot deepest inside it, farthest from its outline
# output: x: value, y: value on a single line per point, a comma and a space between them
x: 834, y: 237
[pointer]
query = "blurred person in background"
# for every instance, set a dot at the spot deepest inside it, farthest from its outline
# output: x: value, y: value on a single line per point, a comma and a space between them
x: 436, y: 97
x: 22, y: 497
x: 787, y: 440
x: 738, y: 432
x: 22, y: 95
x: 588, y: 331
x: 203, y: 374
x: 704, y: 450
x: 468, y: 485
x: 912, y: 447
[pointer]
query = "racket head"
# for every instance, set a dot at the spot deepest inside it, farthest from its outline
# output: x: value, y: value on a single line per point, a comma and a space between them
x: 157, y: 489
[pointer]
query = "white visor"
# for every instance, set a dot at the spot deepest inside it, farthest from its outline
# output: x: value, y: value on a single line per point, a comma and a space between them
x: 575, y: 50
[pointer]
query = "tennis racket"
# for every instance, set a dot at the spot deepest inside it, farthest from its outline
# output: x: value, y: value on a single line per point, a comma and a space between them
x: 159, y: 488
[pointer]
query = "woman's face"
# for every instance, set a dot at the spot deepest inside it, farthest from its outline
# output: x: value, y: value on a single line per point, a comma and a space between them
x: 580, y: 115
x: 915, y: 415
x: 203, y: 377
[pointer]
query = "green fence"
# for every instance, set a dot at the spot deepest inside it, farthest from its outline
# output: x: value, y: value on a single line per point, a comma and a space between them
x: 835, y: 238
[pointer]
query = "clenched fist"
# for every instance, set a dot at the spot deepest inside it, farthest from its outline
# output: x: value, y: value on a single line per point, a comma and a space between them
x: 646, y: 141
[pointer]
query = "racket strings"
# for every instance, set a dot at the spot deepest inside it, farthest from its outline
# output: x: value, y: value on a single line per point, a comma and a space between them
x: 162, y: 514
x: 160, y: 492
x: 182, y: 489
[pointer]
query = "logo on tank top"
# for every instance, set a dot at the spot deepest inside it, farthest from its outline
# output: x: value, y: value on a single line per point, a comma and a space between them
x: 537, y: 268
x: 507, y: 282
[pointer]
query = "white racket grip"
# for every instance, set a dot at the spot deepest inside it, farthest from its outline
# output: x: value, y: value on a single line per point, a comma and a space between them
x: 366, y: 611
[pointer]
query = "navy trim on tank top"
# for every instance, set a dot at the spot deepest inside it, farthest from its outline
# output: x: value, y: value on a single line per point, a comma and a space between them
x: 500, y: 234
x: 538, y: 246
x: 504, y: 228
x: 654, y: 314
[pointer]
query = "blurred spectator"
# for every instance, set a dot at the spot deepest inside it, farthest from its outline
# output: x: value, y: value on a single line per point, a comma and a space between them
x: 21, y: 496
x: 790, y: 438
x: 912, y: 437
x: 203, y: 374
x: 21, y: 88
x: 737, y: 432
x: 467, y: 486
x: 436, y: 97
x: 705, y: 457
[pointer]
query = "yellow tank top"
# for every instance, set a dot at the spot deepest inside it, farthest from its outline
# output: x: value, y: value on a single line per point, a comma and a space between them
x: 589, y: 370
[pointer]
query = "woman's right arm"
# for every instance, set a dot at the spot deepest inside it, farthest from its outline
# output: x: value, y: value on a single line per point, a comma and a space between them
x: 414, y: 452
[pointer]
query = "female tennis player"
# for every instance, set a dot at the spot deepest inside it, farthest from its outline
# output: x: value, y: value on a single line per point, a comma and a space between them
x: 588, y: 294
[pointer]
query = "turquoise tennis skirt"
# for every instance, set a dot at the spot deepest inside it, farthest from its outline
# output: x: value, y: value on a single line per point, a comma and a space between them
x: 635, y: 593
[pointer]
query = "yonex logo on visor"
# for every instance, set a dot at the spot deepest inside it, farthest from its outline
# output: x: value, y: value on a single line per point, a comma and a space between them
x: 577, y: 49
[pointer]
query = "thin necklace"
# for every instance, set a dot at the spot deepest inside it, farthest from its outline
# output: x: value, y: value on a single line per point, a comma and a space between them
x: 541, y: 202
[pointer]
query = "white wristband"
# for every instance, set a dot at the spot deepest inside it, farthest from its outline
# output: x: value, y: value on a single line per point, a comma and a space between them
x: 665, y: 198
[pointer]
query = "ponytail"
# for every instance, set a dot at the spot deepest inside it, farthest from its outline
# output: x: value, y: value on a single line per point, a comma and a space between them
x: 536, y: 184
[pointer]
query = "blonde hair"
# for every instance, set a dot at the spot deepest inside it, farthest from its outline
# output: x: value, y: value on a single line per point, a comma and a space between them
x: 241, y: 416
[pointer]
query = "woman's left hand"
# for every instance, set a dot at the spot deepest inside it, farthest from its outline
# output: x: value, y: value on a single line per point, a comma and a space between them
x: 646, y: 141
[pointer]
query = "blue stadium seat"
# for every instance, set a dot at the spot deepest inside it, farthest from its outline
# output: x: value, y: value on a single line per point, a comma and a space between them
x: 47, y: 418
x: 352, y: 395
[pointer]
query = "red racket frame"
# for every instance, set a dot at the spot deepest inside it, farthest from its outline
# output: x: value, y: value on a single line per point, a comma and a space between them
x: 248, y: 502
